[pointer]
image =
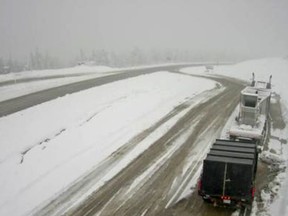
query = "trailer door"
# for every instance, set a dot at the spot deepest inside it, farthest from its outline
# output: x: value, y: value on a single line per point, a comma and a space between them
x: 237, y: 180
x: 212, y: 177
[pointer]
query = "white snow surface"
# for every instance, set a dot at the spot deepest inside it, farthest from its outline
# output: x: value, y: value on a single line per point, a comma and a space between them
x: 55, y: 77
x: 46, y: 148
x: 50, y: 79
x: 81, y: 69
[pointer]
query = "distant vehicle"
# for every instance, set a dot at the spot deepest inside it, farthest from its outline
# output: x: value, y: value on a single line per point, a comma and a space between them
x: 6, y: 70
x: 209, y: 68
x: 228, y: 174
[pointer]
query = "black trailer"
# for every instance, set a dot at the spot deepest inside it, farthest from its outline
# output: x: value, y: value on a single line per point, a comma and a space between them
x: 240, y: 143
x: 228, y: 173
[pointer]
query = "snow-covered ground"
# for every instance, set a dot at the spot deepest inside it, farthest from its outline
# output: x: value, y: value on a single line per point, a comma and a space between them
x: 70, y: 135
x: 54, y: 77
x: 77, y: 70
x: 50, y: 79
x: 275, y: 198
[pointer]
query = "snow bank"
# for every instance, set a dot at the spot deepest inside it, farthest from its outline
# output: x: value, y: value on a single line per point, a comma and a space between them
x: 271, y: 158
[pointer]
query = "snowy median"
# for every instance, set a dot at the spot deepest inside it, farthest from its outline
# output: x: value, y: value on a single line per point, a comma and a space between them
x: 14, y: 85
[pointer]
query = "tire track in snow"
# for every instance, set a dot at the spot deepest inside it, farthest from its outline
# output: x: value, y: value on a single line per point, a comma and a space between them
x: 46, y: 140
x: 66, y: 199
x: 152, y: 197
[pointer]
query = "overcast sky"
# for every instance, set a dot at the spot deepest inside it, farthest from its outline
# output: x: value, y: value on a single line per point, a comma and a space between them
x: 63, y: 27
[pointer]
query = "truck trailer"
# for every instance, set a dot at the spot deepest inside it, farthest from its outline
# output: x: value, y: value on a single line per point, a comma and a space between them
x: 254, y: 109
x: 228, y: 174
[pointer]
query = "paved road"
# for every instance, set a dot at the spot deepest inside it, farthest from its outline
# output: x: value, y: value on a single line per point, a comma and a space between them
x: 152, y: 195
x: 158, y: 193
x: 206, y: 120
x: 17, y: 104
x: 202, y: 122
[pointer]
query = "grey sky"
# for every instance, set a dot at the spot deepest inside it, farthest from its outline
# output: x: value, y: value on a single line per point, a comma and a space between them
x: 63, y: 27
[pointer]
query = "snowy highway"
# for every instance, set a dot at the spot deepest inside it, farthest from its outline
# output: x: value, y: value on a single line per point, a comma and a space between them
x: 133, y: 146
x: 16, y: 104
x: 160, y: 175
x: 143, y: 108
x: 204, y: 123
x: 83, y: 130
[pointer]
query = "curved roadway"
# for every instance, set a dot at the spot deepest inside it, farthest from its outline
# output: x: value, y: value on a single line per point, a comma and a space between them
x: 156, y: 194
x: 17, y: 104
x: 153, y: 194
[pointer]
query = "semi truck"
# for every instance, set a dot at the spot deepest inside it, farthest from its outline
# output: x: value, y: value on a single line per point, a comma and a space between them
x: 228, y: 174
x: 254, y: 109
x: 229, y: 169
